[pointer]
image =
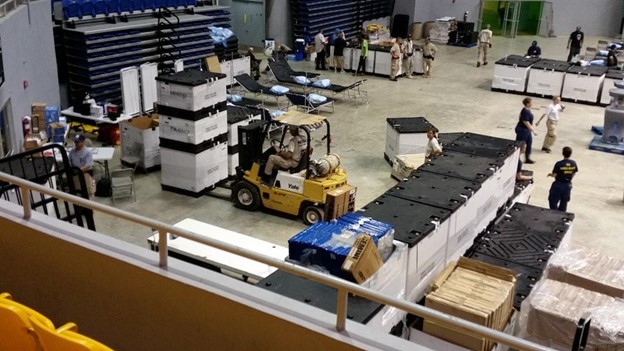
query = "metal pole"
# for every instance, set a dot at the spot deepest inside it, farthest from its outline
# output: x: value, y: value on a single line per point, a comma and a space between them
x: 341, y: 309
x: 163, y: 248
x: 26, y: 201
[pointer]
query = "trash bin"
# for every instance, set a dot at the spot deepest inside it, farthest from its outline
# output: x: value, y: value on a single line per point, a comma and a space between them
x: 299, y: 49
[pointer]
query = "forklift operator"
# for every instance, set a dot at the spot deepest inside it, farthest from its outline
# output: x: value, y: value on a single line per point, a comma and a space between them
x: 290, y: 156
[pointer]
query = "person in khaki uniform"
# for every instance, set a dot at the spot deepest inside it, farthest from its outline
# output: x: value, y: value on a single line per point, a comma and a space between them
x: 395, y: 57
x: 485, y: 43
x: 289, y: 156
x: 552, y: 114
x: 429, y: 52
x: 408, y: 52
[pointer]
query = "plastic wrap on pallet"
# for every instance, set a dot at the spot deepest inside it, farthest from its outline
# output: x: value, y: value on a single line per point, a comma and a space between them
x: 550, y: 314
x: 325, y: 245
x: 588, y: 269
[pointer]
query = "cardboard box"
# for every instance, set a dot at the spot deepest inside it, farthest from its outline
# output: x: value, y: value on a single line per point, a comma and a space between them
x: 550, y: 313
x: 474, y: 291
x: 363, y: 260
x: 588, y: 269
x: 57, y: 132
x: 340, y: 201
x: 38, y: 116
x: 32, y: 141
x: 404, y: 165
x: 140, y: 142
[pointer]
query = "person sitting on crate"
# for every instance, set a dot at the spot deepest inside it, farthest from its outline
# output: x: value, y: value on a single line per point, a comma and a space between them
x: 534, y: 50
x: 433, y: 148
x: 287, y: 157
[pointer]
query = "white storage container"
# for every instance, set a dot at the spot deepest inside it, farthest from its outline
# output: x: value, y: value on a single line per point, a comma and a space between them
x: 406, y: 136
x: 511, y: 73
x: 546, y: 77
x: 232, y: 68
x: 191, y: 90
x: 139, y: 141
x: 193, y: 172
x: 193, y: 132
x: 611, y: 77
x: 583, y: 83
x: 390, y: 280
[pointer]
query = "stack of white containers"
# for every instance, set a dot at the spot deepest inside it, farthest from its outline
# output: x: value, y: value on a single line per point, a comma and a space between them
x: 237, y: 116
x: 193, y: 131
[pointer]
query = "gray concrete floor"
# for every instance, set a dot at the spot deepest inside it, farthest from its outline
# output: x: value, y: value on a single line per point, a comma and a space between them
x: 456, y: 99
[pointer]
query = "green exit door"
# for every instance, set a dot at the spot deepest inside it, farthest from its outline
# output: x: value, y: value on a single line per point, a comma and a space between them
x: 511, y: 18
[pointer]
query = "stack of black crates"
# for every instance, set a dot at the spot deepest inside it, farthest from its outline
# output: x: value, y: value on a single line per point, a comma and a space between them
x: 523, y: 240
x: 464, y: 35
x: 193, y: 131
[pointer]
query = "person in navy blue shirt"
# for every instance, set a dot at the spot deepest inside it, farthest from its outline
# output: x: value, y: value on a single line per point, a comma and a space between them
x: 534, y: 50
x: 524, y: 128
x: 561, y: 188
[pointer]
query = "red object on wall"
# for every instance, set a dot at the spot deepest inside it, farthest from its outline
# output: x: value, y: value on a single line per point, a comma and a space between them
x: 25, y: 84
x: 26, y: 125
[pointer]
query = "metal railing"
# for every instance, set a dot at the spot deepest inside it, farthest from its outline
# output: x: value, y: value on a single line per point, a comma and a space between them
x: 7, y: 6
x: 344, y: 287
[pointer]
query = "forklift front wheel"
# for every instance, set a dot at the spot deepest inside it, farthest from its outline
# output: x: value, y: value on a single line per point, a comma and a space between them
x: 246, y: 196
x: 312, y: 214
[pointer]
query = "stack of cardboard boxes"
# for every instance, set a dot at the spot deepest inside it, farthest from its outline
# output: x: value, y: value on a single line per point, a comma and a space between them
x: 581, y: 283
x: 474, y: 291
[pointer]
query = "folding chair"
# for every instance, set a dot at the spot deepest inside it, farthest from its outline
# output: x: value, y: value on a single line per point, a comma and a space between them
x: 303, y: 101
x: 602, y: 45
x: 252, y: 86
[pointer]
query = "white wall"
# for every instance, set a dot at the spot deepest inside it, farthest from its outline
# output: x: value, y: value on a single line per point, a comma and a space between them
x: 279, y: 24
x: 28, y: 55
x: 597, y: 17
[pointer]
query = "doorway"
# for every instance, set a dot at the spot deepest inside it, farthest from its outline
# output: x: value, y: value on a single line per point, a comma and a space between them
x: 248, y: 21
x: 5, y: 127
x: 511, y: 18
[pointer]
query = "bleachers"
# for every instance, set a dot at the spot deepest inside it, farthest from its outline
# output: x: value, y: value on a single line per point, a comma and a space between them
x: 95, y: 50
x: 309, y: 16
x: 79, y: 9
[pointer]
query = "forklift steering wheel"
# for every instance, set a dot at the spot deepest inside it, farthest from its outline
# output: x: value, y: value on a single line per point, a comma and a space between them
x: 275, y: 143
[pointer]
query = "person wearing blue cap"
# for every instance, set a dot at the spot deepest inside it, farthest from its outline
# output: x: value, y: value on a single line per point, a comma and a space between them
x: 80, y: 156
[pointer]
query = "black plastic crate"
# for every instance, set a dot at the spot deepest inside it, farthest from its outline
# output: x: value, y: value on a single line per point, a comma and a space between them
x: 435, y: 189
x: 318, y: 295
x: 462, y: 165
x: 412, y: 221
x: 482, y: 145
x: 527, y: 249
x: 536, y: 219
x: 410, y: 124
x: 526, y: 277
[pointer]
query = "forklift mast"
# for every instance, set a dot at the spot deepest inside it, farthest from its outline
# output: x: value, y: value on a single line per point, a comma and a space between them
x: 250, y: 141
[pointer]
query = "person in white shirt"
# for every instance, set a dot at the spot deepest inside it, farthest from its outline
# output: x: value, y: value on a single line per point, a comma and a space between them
x: 485, y: 43
x: 319, y: 46
x: 552, y: 114
x: 433, y: 147
x: 408, y: 52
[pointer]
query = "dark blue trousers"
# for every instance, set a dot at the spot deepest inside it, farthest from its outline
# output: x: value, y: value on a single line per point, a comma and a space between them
x: 523, y: 134
x: 559, y: 195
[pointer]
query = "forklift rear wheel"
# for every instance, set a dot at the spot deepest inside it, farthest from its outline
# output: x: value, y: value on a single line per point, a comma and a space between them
x: 312, y: 214
x: 246, y: 196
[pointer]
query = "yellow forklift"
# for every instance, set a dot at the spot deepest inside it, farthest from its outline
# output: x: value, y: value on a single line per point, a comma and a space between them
x: 316, y: 190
